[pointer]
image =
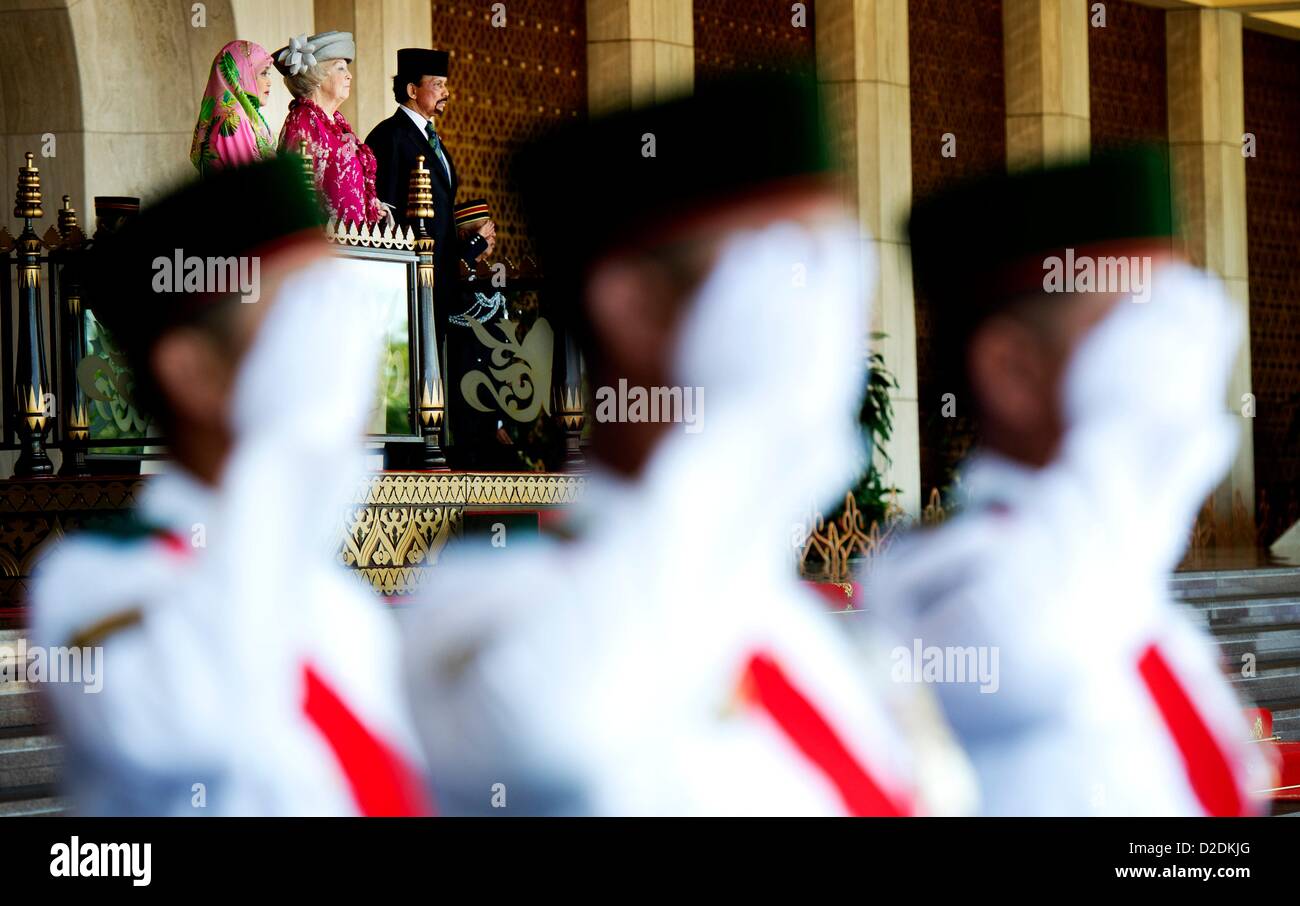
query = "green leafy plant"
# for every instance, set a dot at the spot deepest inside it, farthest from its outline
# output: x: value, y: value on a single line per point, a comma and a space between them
x: 872, y: 495
x: 846, y: 530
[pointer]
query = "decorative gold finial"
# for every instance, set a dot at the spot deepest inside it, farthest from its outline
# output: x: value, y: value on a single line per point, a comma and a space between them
x: 27, y: 201
x: 67, y: 216
x: 419, y: 196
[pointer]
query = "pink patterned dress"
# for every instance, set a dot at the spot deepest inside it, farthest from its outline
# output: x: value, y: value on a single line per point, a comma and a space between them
x: 344, y: 165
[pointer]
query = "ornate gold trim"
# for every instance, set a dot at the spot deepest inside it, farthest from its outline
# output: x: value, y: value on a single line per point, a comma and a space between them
x: 522, y: 490
x: 370, y: 237
x: 47, y: 495
x: 829, y: 546
x: 412, y: 489
x: 504, y: 489
x: 401, y: 580
x: 397, y: 536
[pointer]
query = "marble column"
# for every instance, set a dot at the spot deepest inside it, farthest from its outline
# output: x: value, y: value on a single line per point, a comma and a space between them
x: 1045, y: 62
x: 143, y: 66
x: 271, y: 25
x: 862, y: 64
x: 42, y: 92
x: 638, y: 51
x: 1206, y: 122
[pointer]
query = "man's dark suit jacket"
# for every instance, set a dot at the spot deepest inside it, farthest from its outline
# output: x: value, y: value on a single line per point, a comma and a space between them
x: 397, y: 142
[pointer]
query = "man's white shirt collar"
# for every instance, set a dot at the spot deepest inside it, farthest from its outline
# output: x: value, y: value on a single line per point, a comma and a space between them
x: 421, y: 121
x: 416, y: 116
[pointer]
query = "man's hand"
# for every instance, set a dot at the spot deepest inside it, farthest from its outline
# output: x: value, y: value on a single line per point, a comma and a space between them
x: 489, y: 233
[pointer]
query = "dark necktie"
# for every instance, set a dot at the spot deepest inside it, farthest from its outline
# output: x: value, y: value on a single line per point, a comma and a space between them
x: 437, y: 145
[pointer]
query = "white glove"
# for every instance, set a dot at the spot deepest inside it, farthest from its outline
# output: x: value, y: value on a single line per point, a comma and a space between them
x: 1149, y: 432
x: 1170, y: 357
x: 300, y: 406
x: 776, y: 337
x: 781, y: 319
x: 313, y: 368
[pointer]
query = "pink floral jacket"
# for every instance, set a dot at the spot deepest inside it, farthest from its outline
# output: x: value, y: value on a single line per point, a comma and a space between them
x: 344, y: 165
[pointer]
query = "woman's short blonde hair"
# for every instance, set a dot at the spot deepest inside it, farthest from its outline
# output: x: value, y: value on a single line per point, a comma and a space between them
x: 305, y: 83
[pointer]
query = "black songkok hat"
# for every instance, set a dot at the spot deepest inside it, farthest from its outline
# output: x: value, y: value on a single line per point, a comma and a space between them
x: 415, y: 62
x: 590, y: 187
x: 983, y: 243
x: 242, y: 211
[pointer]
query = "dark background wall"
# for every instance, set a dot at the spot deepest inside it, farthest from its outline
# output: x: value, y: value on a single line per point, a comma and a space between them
x: 955, y: 48
x: 1127, y: 92
x: 1272, y: 106
x: 745, y: 36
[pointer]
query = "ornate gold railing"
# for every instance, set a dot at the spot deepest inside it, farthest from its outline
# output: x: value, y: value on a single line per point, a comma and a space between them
x: 80, y: 402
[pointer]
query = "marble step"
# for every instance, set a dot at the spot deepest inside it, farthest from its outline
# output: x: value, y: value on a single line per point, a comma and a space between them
x: 28, y: 757
x: 1257, y: 612
x: 1266, y: 582
x: 20, y: 706
x: 1225, y: 612
x: 31, y: 801
x: 1272, y: 650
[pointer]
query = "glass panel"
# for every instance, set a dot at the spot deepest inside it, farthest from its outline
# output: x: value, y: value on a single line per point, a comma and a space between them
x: 108, y: 382
x: 108, y: 385
x: 386, y: 286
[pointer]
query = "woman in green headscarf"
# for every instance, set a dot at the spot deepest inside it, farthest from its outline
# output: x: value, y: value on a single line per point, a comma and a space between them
x: 231, y: 130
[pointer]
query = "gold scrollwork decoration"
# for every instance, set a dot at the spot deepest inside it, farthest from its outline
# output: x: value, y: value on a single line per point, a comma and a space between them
x: 520, y: 382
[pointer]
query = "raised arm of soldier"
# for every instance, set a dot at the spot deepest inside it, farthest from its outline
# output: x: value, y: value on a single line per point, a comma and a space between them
x: 663, y: 659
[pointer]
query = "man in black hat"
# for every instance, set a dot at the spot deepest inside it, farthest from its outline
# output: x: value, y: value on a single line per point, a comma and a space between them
x: 1097, y: 366
x: 420, y: 89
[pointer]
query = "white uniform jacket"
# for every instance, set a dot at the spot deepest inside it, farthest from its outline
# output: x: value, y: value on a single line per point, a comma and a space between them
x: 1105, y: 700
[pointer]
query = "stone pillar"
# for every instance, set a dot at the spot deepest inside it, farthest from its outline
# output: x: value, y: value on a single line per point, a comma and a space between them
x: 380, y: 27
x: 1045, y: 54
x: 862, y: 64
x: 1206, y: 122
x: 271, y: 25
x: 638, y: 51
x: 142, y: 68
x: 42, y: 111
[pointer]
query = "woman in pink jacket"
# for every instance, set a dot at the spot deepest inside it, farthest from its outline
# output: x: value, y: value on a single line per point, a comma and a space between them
x: 316, y: 72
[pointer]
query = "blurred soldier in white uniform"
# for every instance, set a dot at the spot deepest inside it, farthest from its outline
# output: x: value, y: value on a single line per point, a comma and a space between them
x: 243, y: 672
x: 1104, y: 424
x: 663, y: 658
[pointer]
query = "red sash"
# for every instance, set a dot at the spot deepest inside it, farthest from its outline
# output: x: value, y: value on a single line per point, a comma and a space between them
x: 767, y: 686
x: 382, y: 782
x: 1208, y: 769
